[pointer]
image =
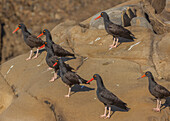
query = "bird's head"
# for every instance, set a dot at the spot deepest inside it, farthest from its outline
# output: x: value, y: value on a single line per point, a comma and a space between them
x: 103, y: 14
x: 45, y: 31
x: 57, y: 61
x: 20, y: 26
x: 95, y: 76
x: 148, y: 73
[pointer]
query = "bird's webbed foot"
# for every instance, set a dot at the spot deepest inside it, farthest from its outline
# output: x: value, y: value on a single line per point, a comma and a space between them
x: 107, y: 117
x: 101, y: 116
x: 28, y: 59
x: 156, y: 109
x: 67, y: 95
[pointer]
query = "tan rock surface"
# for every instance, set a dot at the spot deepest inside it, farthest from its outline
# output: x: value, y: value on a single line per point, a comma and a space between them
x: 120, y: 67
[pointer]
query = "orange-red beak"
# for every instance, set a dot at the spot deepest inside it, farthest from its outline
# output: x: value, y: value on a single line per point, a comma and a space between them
x: 40, y: 35
x: 90, y: 80
x: 55, y: 64
x: 97, y: 17
x: 41, y: 46
x: 15, y: 30
x: 141, y: 76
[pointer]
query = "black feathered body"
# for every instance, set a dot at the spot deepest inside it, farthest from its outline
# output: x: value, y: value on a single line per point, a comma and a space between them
x: 51, y: 60
x: 68, y: 77
x: 107, y: 97
x: 116, y: 30
x: 31, y: 40
x: 57, y: 49
x: 157, y: 90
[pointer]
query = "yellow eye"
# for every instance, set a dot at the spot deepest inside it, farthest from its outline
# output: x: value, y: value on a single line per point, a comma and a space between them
x: 19, y: 25
x: 94, y: 75
x: 102, y: 13
x: 44, y: 31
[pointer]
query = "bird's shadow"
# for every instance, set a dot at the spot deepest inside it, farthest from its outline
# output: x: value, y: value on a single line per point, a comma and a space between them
x: 115, y: 108
x: 67, y: 58
x: 166, y: 104
x: 79, y: 88
x: 122, y: 40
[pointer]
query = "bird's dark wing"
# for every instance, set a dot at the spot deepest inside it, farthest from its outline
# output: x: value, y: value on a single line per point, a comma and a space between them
x: 108, y: 95
x: 59, y: 51
x: 69, y: 68
x: 162, y: 90
x: 118, y: 30
x: 72, y: 77
x: 113, y: 99
x: 33, y: 39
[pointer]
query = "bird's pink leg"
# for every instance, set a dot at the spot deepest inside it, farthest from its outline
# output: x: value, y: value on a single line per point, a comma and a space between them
x: 53, y: 79
x: 157, y: 109
x: 36, y: 54
x: 69, y: 90
x: 30, y: 55
x: 116, y: 42
x: 111, y: 46
x: 49, y: 68
x: 108, y: 116
x: 104, y: 115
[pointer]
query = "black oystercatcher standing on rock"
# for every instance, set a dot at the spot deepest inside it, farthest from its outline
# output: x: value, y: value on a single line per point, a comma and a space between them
x: 31, y: 40
x: 57, y: 49
x: 158, y: 91
x: 115, y: 30
x: 68, y: 77
x: 51, y: 60
x: 107, y: 97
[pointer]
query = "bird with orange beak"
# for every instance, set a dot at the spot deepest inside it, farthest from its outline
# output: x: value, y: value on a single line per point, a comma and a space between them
x: 115, y: 30
x: 69, y: 77
x: 158, y: 91
x: 107, y: 97
x: 31, y: 40
x: 57, y: 49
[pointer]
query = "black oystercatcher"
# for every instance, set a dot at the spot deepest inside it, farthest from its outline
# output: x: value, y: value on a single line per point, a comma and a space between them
x: 107, y: 97
x: 115, y: 30
x: 158, y: 91
x: 57, y: 49
x: 31, y: 40
x: 51, y: 60
x: 68, y: 77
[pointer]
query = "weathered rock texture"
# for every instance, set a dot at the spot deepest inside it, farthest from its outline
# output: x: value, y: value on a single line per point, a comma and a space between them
x: 30, y: 97
x: 38, y: 15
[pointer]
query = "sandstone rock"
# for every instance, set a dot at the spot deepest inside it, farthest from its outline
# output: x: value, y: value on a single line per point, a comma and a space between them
x: 119, y: 67
x: 114, y: 14
x: 161, y: 57
x: 141, y: 21
x: 27, y: 108
x: 6, y: 94
x: 158, y: 5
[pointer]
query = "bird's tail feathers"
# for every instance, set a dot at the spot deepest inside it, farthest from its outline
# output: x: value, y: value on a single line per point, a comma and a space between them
x: 83, y: 80
x: 122, y: 105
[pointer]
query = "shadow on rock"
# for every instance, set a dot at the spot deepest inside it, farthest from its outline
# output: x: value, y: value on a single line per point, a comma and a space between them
x: 166, y: 104
x: 78, y: 88
x: 115, y: 108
